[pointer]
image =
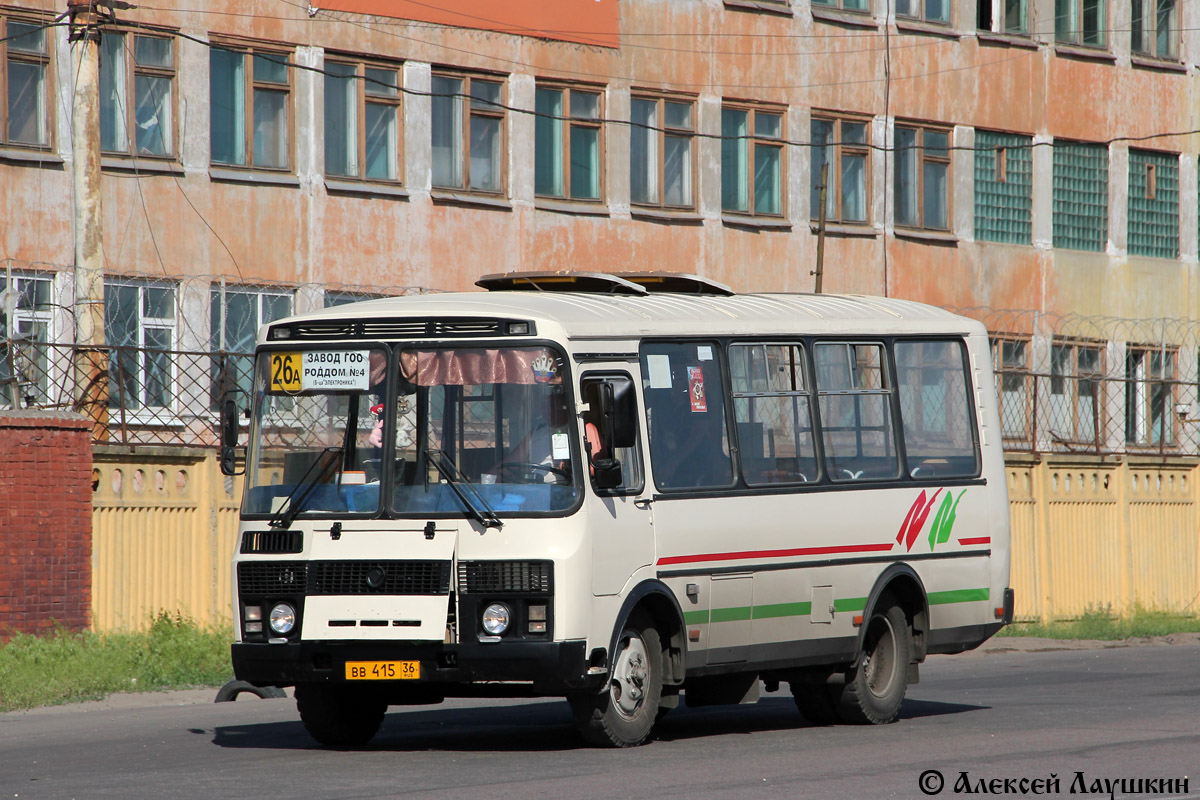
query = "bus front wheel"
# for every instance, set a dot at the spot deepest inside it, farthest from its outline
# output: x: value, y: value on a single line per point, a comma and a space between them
x: 337, y: 716
x: 874, y: 690
x: 624, y: 715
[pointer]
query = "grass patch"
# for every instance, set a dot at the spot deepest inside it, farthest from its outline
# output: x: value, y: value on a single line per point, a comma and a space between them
x: 68, y: 667
x: 1104, y: 625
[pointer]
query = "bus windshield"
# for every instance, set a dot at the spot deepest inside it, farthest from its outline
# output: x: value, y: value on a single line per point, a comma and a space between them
x: 316, y: 445
x: 500, y: 416
x: 475, y: 431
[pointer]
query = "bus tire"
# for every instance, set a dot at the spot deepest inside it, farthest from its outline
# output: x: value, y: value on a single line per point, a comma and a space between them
x: 874, y: 690
x: 818, y: 703
x: 337, y: 717
x: 624, y: 714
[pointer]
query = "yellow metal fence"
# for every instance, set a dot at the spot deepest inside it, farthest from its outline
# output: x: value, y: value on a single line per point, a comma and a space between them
x: 1085, y: 535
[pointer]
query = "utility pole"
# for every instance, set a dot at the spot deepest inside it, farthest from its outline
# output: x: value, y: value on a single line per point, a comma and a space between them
x: 91, y: 360
x: 820, y: 270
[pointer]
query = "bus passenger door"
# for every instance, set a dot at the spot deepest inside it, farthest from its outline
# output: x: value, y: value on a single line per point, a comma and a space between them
x: 618, y: 521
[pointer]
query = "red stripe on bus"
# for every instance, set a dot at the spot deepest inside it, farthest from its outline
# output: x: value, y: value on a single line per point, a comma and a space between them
x: 977, y: 540
x: 799, y: 551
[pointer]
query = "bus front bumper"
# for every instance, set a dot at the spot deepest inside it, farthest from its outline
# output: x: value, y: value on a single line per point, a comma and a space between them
x: 542, y: 668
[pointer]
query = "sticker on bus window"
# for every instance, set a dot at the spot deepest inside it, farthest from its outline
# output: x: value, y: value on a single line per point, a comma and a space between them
x: 659, y: 367
x: 696, y: 389
x: 543, y: 369
x: 704, y: 352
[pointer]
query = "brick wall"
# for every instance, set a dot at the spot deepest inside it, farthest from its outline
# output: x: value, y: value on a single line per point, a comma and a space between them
x: 45, y: 521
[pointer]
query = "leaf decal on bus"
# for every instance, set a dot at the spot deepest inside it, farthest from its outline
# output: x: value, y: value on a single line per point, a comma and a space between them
x: 943, y: 523
x: 915, y: 521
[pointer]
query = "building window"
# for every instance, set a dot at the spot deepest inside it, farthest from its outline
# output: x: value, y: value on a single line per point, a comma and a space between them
x: 139, y: 328
x: 922, y: 182
x: 568, y: 147
x: 1075, y: 408
x: 752, y: 161
x: 468, y: 133
x: 25, y: 318
x: 362, y: 121
x: 1154, y: 28
x: 235, y: 315
x: 250, y: 92
x: 1004, y: 16
x: 1153, y: 204
x: 927, y: 10
x: 25, y: 56
x: 1149, y: 396
x: 845, y: 5
x: 1080, y: 22
x: 1011, y: 359
x: 1080, y: 196
x: 660, y: 151
x: 842, y: 145
x: 141, y: 67
x: 1003, y: 187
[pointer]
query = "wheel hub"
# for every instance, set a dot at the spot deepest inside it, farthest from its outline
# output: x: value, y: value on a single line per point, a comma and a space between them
x: 629, y: 677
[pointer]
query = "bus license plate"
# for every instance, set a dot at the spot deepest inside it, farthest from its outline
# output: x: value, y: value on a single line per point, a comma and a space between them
x: 383, y: 670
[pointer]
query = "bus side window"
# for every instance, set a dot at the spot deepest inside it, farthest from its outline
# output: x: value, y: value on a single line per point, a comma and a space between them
x: 685, y: 409
x: 854, y: 398
x: 935, y: 409
x: 629, y: 457
x: 771, y: 402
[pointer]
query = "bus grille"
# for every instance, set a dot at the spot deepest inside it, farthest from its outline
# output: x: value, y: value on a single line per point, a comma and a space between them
x: 380, y: 577
x: 525, y: 577
x: 399, y: 328
x: 273, y: 578
x: 272, y: 542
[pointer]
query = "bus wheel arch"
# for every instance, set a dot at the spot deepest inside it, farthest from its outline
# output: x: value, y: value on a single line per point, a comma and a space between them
x: 890, y: 644
x: 899, y: 584
x: 645, y: 655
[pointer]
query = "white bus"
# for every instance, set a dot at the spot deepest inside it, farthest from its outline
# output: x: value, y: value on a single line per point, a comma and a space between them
x: 616, y: 489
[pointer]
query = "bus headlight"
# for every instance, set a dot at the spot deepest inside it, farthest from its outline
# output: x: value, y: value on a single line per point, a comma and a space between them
x: 283, y: 618
x: 496, y: 618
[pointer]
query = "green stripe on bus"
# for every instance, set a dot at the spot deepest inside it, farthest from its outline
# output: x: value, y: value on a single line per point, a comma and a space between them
x: 737, y: 614
x: 804, y: 609
x: 782, y: 610
x: 958, y: 596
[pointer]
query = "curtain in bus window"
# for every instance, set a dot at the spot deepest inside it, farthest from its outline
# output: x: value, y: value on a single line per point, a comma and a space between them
x: 934, y: 407
x: 856, y: 418
x: 465, y: 367
x: 685, y: 408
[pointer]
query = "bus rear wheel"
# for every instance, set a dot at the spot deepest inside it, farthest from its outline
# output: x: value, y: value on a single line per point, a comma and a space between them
x: 818, y: 702
x: 875, y: 689
x: 337, y: 716
x: 624, y: 715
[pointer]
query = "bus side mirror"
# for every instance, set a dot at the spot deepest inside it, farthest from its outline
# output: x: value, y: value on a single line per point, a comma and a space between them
x: 618, y: 409
x: 229, y: 436
x: 606, y: 472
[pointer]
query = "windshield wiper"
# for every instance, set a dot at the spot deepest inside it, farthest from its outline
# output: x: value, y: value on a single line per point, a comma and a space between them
x: 293, y: 504
x: 482, y: 513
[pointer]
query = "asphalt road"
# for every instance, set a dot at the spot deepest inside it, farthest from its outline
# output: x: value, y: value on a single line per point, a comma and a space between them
x: 1110, y: 714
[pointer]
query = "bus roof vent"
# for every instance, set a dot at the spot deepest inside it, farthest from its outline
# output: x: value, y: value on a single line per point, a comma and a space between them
x: 675, y: 283
x: 636, y: 283
x: 592, y: 282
